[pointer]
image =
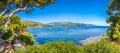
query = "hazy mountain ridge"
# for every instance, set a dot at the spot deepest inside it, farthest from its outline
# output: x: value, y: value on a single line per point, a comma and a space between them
x: 34, y: 24
x: 68, y: 24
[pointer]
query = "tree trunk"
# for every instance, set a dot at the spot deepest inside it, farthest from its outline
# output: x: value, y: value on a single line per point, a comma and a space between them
x: 4, y: 12
x: 7, y: 20
x: 5, y: 28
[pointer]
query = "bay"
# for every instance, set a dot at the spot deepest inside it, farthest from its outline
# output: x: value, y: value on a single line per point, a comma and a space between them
x: 74, y: 34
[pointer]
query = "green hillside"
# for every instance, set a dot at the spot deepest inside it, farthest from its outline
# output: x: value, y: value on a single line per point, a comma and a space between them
x: 32, y: 23
x: 35, y: 24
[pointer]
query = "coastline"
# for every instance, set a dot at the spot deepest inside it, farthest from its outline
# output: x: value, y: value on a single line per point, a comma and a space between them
x: 90, y: 40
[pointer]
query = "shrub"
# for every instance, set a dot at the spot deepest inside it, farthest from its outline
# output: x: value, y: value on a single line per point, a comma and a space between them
x: 102, y: 46
x: 53, y: 47
x: 27, y: 38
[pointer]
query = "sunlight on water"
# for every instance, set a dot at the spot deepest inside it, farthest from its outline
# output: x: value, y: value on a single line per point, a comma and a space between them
x: 66, y: 33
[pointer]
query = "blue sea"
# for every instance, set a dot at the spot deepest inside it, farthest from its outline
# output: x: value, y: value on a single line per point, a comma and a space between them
x: 74, y: 34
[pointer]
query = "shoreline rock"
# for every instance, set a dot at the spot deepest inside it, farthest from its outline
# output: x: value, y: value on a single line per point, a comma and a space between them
x: 90, y: 40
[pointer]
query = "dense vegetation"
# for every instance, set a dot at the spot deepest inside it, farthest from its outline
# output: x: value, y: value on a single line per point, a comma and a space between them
x: 16, y: 33
x: 53, y: 47
x: 102, y: 46
x: 17, y: 30
x: 113, y: 18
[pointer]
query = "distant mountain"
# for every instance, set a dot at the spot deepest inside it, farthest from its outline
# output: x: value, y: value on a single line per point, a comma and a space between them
x: 68, y: 24
x: 35, y: 24
x: 32, y: 23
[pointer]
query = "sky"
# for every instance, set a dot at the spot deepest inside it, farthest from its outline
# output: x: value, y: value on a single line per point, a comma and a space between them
x: 81, y: 11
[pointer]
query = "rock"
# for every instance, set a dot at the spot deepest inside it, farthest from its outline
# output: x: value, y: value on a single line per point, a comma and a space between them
x: 90, y: 40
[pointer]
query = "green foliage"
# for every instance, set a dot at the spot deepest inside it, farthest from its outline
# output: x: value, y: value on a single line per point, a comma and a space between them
x: 2, y: 18
x: 1, y: 27
x: 15, y: 20
x: 7, y: 35
x: 53, y: 47
x: 30, y: 4
x: 114, y: 30
x: 114, y: 19
x: 114, y: 5
x: 102, y: 46
x: 26, y: 38
x: 16, y: 26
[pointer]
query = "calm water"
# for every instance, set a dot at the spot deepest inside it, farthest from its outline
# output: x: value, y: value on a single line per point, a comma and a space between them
x: 66, y: 33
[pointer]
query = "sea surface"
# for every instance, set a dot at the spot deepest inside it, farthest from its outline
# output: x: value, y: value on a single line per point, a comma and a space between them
x: 74, y: 34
